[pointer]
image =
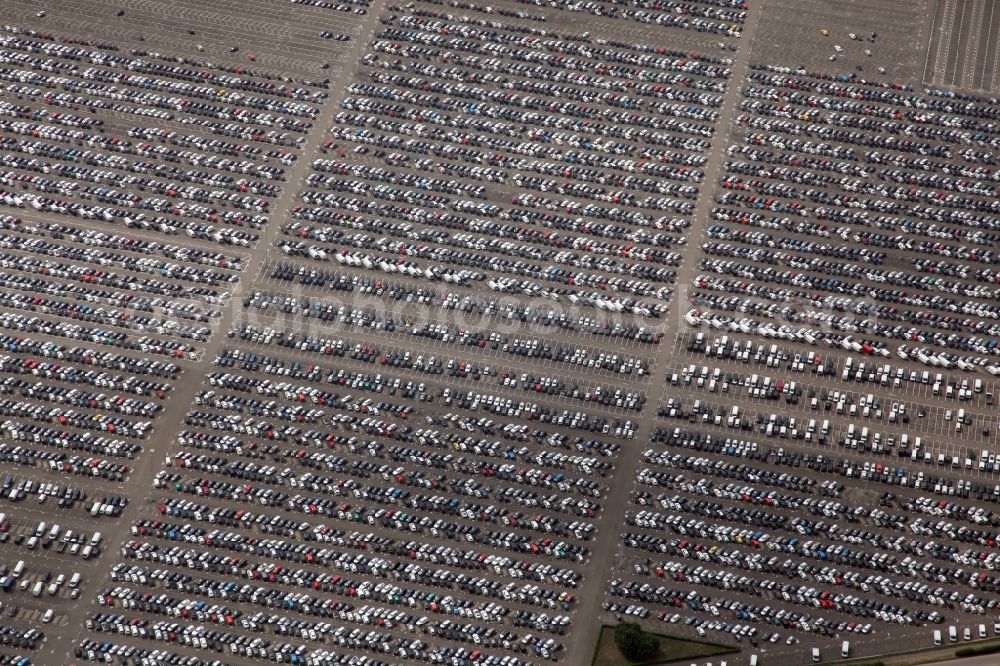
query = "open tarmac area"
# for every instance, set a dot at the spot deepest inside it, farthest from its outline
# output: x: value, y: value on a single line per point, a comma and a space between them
x: 963, y: 49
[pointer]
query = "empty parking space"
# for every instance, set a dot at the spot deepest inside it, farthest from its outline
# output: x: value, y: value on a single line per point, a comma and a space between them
x: 963, y: 50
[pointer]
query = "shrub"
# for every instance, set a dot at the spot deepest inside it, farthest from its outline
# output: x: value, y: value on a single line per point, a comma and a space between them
x: 975, y: 651
x: 634, y: 643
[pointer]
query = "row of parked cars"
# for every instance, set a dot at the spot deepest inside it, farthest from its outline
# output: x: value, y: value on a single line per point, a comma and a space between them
x: 491, y: 511
x: 132, y: 187
x: 829, y: 184
x: 104, y: 308
x: 405, y: 472
x: 909, y: 189
x: 319, y: 501
x: 703, y: 542
x: 410, y: 488
x: 364, y: 110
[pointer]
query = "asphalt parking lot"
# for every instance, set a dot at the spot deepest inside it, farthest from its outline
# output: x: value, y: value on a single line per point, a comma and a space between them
x: 205, y: 264
x: 368, y: 332
x: 782, y: 428
x: 795, y: 31
x: 963, y: 47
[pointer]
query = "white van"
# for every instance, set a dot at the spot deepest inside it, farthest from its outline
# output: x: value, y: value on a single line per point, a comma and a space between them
x: 953, y: 634
x: 845, y: 649
x: 815, y: 655
x: 753, y: 660
x: 937, y: 637
x: 48, y: 616
x: 37, y: 590
x: 18, y: 569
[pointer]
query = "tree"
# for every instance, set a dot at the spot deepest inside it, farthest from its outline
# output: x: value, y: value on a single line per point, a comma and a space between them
x: 633, y: 642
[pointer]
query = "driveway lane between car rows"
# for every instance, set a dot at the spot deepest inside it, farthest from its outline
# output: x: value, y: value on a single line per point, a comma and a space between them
x: 606, y: 549
x: 188, y: 383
